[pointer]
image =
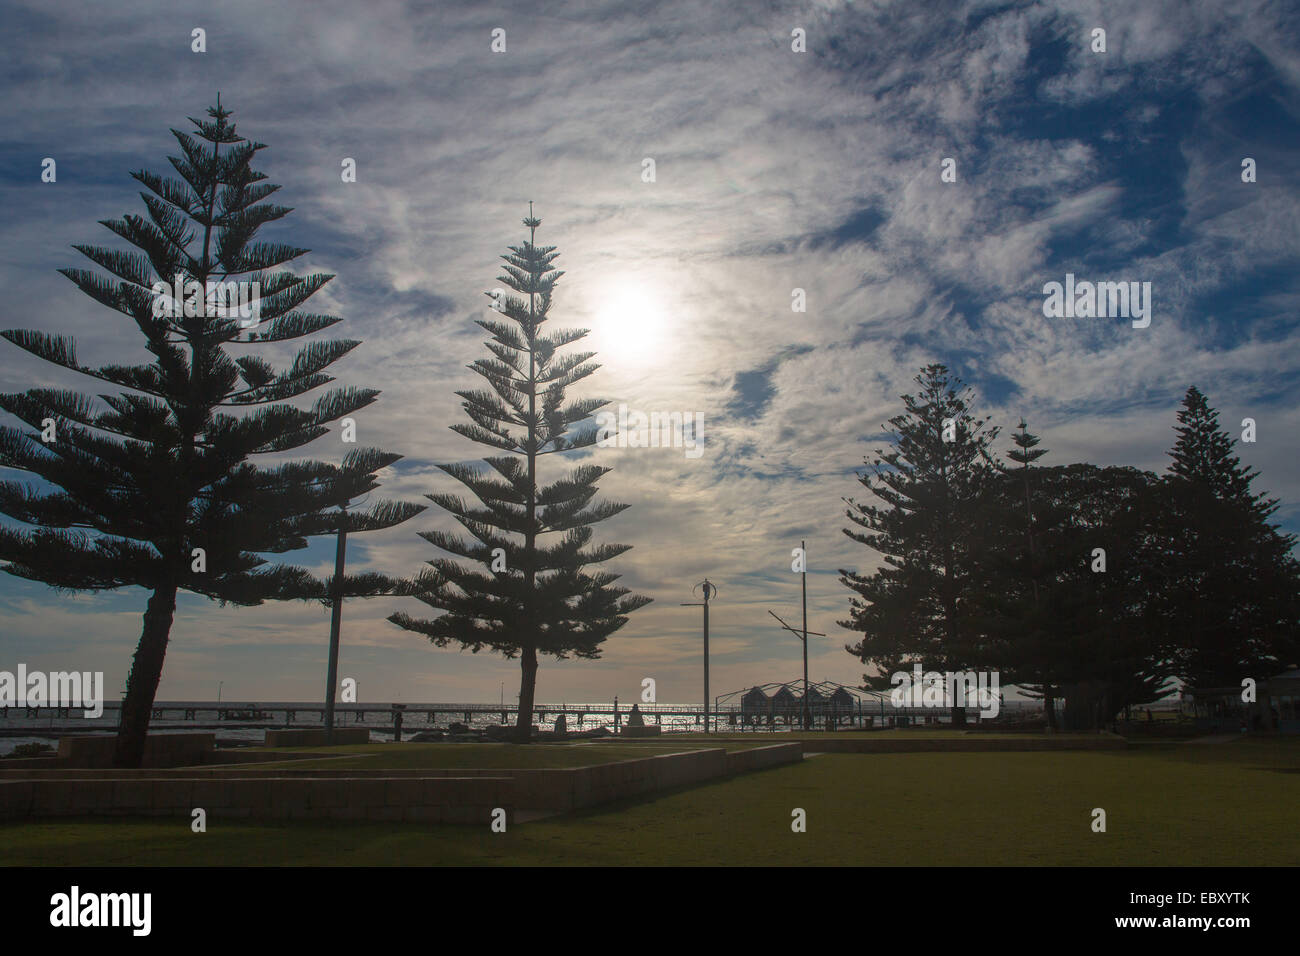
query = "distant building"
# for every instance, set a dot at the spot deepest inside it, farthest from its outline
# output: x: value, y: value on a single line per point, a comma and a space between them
x: 755, y: 703
x: 842, y: 701
x: 785, y: 702
x: 1276, y: 705
x: 816, y: 703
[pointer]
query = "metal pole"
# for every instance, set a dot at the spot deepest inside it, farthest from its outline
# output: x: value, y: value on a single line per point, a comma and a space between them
x: 706, y: 655
x: 803, y: 579
x: 803, y: 637
x: 336, y: 616
x: 709, y: 591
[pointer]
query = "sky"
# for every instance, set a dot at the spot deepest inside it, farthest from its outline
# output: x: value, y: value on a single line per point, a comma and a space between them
x: 774, y: 170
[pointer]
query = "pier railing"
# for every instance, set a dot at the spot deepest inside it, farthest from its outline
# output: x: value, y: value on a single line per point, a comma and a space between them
x: 385, y: 716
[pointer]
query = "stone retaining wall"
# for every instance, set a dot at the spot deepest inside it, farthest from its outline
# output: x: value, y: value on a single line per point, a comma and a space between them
x: 469, y: 800
x: 207, y: 758
x: 160, y: 750
x: 760, y: 758
x: 431, y: 796
x: 437, y: 796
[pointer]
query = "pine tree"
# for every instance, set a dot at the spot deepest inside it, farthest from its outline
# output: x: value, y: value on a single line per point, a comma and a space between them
x: 1096, y: 635
x: 520, y: 596
x: 1053, y: 624
x: 154, y: 488
x: 932, y: 484
x: 1024, y: 454
x: 1231, y: 608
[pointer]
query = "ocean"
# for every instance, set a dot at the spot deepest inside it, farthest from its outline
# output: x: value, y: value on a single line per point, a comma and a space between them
x: 17, y: 729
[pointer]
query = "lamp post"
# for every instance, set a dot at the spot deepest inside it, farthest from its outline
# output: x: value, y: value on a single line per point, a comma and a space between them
x: 803, y: 636
x: 803, y: 578
x: 336, y: 615
x: 803, y: 586
x: 709, y: 592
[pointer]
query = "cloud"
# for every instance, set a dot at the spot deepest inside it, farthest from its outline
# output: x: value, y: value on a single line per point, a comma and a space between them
x: 775, y: 171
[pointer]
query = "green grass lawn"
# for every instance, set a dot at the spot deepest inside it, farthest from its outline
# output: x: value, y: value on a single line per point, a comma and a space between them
x: 1166, y: 804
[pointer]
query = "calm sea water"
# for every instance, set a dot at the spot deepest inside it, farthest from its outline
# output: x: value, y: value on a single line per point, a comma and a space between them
x: 18, y: 730
x: 47, y: 730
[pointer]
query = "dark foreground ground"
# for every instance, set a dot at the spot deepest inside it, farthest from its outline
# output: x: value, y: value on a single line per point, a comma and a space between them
x: 1232, y: 803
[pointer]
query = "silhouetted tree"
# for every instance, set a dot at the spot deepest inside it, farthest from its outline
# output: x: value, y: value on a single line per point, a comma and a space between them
x: 1099, y: 643
x: 153, y: 487
x: 931, y: 484
x: 1230, y: 606
x: 520, y: 596
x: 1025, y: 454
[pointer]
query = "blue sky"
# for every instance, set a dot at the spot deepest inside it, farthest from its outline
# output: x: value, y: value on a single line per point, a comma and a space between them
x: 775, y: 170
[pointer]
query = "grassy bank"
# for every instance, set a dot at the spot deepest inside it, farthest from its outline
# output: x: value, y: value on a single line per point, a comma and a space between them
x: 1166, y: 804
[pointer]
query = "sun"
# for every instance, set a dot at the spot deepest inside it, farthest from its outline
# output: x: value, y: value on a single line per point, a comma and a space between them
x: 631, y: 326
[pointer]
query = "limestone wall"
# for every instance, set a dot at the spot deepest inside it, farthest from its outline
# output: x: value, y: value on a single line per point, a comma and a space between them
x: 428, y: 799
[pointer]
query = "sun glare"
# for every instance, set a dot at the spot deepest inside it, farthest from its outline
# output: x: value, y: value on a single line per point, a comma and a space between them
x: 631, y: 326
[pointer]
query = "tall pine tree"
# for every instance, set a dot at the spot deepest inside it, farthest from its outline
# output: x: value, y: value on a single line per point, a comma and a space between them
x: 1094, y: 623
x: 1061, y: 622
x: 931, y: 482
x: 1025, y: 454
x: 525, y: 594
x: 153, y: 486
x: 1230, y: 607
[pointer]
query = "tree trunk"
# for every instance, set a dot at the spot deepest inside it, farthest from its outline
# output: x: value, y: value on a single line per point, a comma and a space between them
x: 146, y: 672
x: 528, y: 657
x: 1266, y: 711
x: 1086, y: 706
x: 1078, y: 708
x: 527, y: 687
x: 1070, y: 707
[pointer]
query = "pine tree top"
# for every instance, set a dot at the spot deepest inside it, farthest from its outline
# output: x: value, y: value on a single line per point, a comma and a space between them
x: 1203, y: 452
x: 525, y: 583
x: 132, y: 484
x: 531, y: 221
x: 1023, y: 453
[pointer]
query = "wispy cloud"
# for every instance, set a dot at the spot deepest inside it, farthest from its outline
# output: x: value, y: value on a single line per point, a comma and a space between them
x: 774, y: 171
